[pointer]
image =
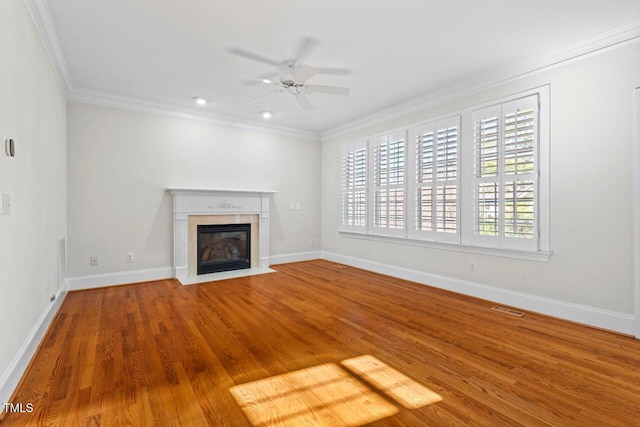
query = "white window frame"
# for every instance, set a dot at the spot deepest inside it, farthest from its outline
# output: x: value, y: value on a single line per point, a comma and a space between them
x: 349, y: 224
x: 414, y: 184
x: 541, y: 241
x: 465, y: 241
x: 391, y: 185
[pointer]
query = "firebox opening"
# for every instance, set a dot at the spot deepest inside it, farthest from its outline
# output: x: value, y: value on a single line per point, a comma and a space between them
x: 223, y: 247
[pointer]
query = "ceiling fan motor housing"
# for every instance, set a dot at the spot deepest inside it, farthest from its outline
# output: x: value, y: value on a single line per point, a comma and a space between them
x: 287, y: 79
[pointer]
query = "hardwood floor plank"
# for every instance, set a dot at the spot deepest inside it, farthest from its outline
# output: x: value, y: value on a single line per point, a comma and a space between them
x: 160, y: 353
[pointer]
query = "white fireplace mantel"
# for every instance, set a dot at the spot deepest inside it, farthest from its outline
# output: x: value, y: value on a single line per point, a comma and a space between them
x: 189, y: 202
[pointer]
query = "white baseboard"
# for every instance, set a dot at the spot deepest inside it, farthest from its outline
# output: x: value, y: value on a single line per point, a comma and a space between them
x: 122, y: 278
x: 12, y: 375
x: 294, y: 257
x: 613, y: 321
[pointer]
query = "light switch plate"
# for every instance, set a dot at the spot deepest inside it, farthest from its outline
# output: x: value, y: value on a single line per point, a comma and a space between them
x: 5, y: 209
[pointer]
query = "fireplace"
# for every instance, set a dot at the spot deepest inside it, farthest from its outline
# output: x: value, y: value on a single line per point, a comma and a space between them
x: 223, y: 247
x: 193, y: 207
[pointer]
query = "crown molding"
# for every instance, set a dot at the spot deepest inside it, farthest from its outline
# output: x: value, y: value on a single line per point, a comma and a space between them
x: 44, y: 25
x: 613, y: 39
x: 108, y: 99
x: 41, y: 18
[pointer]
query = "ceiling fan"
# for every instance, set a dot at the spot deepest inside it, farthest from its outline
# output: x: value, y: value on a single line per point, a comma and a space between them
x: 292, y: 74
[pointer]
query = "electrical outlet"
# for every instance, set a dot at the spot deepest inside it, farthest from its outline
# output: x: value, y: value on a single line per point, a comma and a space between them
x: 472, y: 266
x: 129, y: 257
x: 93, y: 260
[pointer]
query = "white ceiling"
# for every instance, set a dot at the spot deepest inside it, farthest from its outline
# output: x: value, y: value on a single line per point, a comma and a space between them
x: 161, y: 53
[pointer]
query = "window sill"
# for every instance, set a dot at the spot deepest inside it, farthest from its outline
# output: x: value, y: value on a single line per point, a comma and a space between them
x: 537, y: 256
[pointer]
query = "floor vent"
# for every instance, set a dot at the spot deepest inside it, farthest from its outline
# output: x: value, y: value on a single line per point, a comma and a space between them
x: 510, y: 311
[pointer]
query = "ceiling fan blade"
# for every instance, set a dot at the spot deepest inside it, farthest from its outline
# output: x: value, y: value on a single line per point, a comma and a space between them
x: 254, y: 56
x: 305, y: 47
x: 304, y: 73
x: 333, y: 90
x: 257, y: 80
x: 267, y: 94
x: 271, y: 77
x: 334, y: 71
x: 303, y: 101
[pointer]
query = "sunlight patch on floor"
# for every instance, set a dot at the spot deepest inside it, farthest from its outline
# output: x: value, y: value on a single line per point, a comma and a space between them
x: 394, y: 384
x: 328, y: 395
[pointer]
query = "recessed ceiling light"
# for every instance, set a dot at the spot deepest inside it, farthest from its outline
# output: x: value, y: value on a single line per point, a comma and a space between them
x: 199, y: 100
x: 266, y: 114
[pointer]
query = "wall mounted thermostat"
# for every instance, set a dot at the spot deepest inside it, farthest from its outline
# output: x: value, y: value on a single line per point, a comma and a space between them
x: 9, y: 146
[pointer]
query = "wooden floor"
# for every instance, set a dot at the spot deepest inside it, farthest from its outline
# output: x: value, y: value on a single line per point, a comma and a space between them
x: 322, y: 344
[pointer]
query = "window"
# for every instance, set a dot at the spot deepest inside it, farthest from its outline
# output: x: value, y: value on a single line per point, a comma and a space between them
x: 435, y: 188
x: 505, y: 176
x: 387, y: 189
x: 354, y: 191
x: 477, y: 180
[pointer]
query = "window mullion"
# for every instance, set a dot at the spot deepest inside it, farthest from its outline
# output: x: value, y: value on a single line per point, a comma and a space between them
x: 501, y: 176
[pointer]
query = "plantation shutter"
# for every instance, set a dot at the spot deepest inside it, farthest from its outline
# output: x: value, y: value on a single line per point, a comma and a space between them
x: 387, y: 190
x: 505, y: 174
x: 354, y: 187
x: 436, y: 181
x: 476, y: 181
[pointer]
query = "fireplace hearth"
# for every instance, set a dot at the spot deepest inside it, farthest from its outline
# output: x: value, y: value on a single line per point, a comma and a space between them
x: 223, y: 247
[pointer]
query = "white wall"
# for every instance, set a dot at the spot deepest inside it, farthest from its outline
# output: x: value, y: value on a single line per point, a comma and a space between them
x: 592, y: 147
x: 33, y: 113
x: 118, y: 164
x: 121, y: 162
